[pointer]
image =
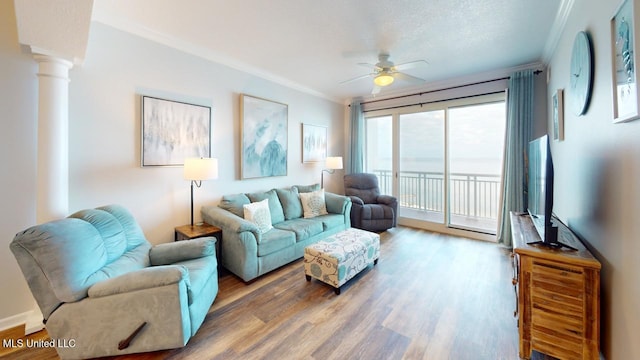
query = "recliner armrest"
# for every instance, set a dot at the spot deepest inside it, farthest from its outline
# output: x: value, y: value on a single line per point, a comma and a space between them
x: 146, y: 278
x: 356, y: 200
x: 387, y: 200
x: 170, y: 253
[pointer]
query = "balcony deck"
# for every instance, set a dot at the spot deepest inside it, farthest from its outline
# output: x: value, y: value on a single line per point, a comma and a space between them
x: 473, y: 199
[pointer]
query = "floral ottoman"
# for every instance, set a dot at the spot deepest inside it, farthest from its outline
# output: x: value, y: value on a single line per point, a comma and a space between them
x: 340, y: 257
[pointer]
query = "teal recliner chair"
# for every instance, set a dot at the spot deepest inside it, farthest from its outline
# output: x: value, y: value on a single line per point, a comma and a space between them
x: 97, y: 280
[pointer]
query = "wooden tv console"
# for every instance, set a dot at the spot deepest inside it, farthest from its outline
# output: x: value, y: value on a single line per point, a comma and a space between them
x: 558, y: 294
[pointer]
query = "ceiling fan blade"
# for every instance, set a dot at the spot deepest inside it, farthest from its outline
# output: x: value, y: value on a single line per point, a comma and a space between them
x: 376, y: 89
x: 408, y: 78
x: 355, y: 78
x: 411, y: 64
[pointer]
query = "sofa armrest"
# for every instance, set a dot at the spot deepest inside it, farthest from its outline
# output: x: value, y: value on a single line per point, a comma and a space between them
x: 226, y: 220
x: 356, y: 200
x: 146, y: 278
x: 388, y: 200
x: 170, y: 253
x: 336, y: 204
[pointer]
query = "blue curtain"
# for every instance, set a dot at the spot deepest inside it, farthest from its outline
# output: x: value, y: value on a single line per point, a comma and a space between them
x: 520, y: 103
x: 357, y: 138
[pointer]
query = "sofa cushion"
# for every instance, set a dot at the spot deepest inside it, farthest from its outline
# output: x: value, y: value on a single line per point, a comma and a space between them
x: 290, y: 201
x: 234, y: 203
x: 274, y: 240
x: 277, y: 214
x: 313, y: 204
x: 307, y: 188
x: 259, y: 214
x: 303, y: 228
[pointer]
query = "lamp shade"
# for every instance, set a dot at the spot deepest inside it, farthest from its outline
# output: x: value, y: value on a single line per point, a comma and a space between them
x: 200, y: 168
x: 333, y: 162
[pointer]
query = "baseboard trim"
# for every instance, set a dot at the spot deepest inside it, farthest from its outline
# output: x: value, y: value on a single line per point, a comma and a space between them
x: 31, y: 320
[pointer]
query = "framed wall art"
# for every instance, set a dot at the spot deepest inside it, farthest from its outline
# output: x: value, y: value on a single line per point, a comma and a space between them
x: 624, y: 59
x: 314, y: 143
x: 264, y: 133
x: 558, y: 115
x: 173, y: 131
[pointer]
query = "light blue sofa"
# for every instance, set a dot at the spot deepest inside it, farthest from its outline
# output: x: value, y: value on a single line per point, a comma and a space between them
x: 248, y: 253
x: 96, y: 279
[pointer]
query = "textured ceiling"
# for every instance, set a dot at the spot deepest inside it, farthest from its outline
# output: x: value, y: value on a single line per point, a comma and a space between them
x: 314, y: 45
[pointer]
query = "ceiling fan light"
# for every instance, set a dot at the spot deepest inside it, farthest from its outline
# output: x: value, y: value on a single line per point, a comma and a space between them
x: 383, y: 80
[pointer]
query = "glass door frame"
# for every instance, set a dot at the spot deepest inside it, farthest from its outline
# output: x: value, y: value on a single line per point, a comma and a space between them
x: 395, y: 167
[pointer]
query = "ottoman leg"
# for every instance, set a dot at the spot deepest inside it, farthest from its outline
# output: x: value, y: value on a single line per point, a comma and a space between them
x: 375, y: 262
x: 337, y: 290
x: 308, y: 277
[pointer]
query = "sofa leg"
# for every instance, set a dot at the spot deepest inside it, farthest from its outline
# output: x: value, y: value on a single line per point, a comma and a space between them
x: 308, y: 277
x: 337, y: 290
x: 375, y: 262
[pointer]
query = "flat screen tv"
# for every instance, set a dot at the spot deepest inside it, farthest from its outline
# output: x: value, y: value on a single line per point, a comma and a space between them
x: 540, y: 192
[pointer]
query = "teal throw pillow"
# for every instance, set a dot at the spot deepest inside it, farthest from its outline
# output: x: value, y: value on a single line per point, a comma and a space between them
x: 290, y: 201
x: 307, y: 188
x: 234, y: 203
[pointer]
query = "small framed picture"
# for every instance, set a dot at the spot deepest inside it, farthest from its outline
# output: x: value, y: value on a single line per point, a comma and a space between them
x: 558, y: 115
x: 314, y: 143
x: 623, y: 59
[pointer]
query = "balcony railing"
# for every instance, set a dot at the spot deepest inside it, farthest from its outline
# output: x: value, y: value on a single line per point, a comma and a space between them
x: 472, y: 195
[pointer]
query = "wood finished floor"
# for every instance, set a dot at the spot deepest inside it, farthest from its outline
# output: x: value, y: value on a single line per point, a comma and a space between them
x: 431, y: 296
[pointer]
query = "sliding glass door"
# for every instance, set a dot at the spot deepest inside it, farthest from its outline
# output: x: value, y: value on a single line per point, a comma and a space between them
x: 442, y: 162
x: 379, y: 151
x: 476, y: 143
x: 421, y: 166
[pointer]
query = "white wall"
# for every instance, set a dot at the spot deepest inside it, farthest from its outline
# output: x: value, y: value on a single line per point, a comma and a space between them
x: 105, y: 129
x: 104, y: 126
x: 597, y: 169
x: 18, y: 119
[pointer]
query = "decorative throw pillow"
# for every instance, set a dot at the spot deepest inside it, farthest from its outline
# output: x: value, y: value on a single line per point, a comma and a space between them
x: 290, y: 201
x: 277, y: 214
x: 307, y: 188
x: 234, y: 203
x: 258, y: 213
x: 313, y: 203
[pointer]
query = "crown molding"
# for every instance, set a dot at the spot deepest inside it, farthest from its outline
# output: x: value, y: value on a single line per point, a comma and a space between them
x: 202, y: 52
x: 564, y: 10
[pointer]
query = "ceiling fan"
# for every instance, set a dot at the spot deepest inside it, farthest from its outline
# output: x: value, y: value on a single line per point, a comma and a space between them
x: 385, y: 72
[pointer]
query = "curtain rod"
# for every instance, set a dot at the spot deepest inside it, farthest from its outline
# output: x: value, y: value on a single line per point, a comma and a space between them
x: 437, y: 90
x: 435, y: 101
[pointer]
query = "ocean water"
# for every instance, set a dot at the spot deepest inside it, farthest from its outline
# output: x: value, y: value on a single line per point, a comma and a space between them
x: 485, y: 166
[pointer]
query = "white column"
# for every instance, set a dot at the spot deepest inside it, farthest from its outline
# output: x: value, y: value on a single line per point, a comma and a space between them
x: 53, y: 138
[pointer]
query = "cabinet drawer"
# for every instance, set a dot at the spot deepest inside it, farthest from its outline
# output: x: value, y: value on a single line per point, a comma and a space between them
x: 562, y: 279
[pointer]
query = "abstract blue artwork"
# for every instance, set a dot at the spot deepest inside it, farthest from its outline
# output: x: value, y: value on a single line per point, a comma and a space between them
x: 173, y: 131
x: 264, y: 137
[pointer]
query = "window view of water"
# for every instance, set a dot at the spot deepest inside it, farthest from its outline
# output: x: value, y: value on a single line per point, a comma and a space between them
x: 474, y: 150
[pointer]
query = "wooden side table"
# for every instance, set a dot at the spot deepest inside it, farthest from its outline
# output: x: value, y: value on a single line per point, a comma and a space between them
x: 188, y: 232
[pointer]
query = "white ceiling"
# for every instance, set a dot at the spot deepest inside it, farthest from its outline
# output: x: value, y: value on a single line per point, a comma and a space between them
x: 313, y: 45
